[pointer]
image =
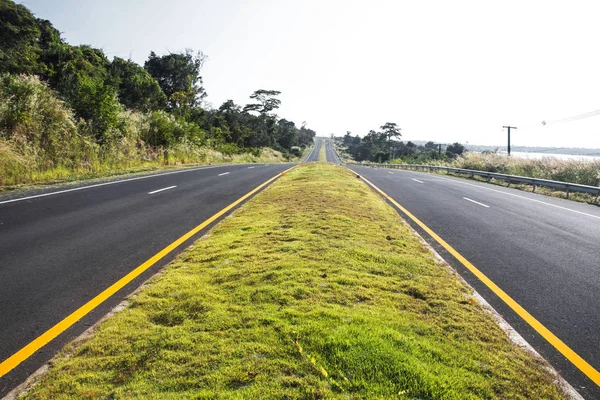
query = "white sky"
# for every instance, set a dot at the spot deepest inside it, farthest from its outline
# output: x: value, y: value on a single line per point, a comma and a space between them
x: 443, y: 70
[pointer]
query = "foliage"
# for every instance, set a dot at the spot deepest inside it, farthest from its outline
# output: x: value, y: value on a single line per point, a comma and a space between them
x: 84, y: 111
x: 379, y: 147
x: 455, y: 149
x: 574, y: 171
x: 267, y: 101
x: 137, y: 89
x: 179, y: 78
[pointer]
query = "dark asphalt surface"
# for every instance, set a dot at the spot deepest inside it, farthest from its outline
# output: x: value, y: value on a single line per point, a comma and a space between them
x: 544, y: 252
x: 58, y: 252
x: 314, y: 153
x: 330, y: 153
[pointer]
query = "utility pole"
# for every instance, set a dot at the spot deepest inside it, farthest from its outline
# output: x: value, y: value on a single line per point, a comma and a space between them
x: 439, y: 150
x: 509, y: 128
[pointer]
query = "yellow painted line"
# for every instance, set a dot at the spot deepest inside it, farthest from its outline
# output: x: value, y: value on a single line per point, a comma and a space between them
x: 558, y: 344
x: 10, y: 363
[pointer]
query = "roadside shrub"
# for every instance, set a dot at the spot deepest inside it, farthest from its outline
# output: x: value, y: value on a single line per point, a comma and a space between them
x: 296, y: 151
x: 164, y: 130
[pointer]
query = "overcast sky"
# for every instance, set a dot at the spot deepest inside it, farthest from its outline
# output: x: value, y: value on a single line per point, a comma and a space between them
x: 443, y: 70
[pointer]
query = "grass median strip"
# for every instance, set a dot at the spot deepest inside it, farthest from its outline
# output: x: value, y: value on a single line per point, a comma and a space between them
x: 323, y: 151
x: 313, y: 289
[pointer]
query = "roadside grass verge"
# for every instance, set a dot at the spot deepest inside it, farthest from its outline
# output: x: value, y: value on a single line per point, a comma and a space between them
x: 578, y: 171
x: 57, y: 175
x: 313, y: 289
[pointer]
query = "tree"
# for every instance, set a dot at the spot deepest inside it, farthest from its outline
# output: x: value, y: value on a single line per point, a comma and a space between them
x: 391, y: 130
x: 431, y: 146
x: 19, y: 34
x: 178, y: 75
x: 287, y: 134
x: 137, y: 89
x: 455, y: 149
x: 306, y: 136
x: 267, y: 101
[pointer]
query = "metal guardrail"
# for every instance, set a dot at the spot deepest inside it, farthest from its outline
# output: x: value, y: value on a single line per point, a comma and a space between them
x: 569, y: 187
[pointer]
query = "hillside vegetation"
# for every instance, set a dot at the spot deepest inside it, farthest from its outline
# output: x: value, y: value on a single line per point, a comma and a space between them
x: 69, y: 111
x: 314, y: 289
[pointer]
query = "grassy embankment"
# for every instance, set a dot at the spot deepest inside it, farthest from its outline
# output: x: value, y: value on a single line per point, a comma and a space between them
x: 313, y: 289
x: 16, y: 175
x: 43, y: 142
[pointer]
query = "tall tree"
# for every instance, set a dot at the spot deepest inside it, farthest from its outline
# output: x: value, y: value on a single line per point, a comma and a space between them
x: 267, y: 101
x: 178, y: 75
x: 137, y: 89
x: 19, y: 36
x: 391, y: 130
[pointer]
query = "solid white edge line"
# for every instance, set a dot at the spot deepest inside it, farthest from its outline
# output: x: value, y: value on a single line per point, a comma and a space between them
x: 163, y: 189
x: 521, y: 197
x: 250, y: 167
x: 476, y: 202
x: 108, y: 183
x: 416, y: 180
x: 224, y: 173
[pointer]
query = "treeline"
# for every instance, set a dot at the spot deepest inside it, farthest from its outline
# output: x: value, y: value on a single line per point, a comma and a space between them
x: 65, y: 106
x: 383, y: 146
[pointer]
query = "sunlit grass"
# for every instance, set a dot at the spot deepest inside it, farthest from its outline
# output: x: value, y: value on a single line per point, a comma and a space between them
x: 322, y: 152
x: 314, y: 289
x: 574, y: 171
x: 16, y: 172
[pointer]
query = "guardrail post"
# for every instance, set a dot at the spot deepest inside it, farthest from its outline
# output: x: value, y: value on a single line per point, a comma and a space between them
x: 534, y: 186
x: 597, y: 194
x: 567, y: 191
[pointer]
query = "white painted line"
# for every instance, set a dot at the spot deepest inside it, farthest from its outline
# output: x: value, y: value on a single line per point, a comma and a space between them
x: 416, y: 180
x: 224, y: 173
x: 250, y: 167
x: 390, y: 172
x: 107, y: 183
x: 476, y: 202
x: 163, y: 189
x: 521, y: 197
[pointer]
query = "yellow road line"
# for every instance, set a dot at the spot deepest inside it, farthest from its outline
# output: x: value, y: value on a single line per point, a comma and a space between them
x: 558, y: 344
x: 10, y: 363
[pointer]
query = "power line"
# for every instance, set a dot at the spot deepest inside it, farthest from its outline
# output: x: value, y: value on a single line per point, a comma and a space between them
x: 573, y: 118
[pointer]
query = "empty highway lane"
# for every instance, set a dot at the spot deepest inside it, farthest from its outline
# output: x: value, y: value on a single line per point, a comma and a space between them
x: 313, y: 155
x: 59, y: 249
x: 543, y: 252
x: 330, y: 152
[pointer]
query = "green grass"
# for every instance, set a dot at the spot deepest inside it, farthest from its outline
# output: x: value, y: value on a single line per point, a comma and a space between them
x: 314, y: 289
x: 19, y: 175
x: 322, y: 152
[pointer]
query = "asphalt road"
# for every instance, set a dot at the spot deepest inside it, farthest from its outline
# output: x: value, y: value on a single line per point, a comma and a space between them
x: 59, y: 251
x: 544, y: 252
x: 314, y: 153
x: 330, y: 153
